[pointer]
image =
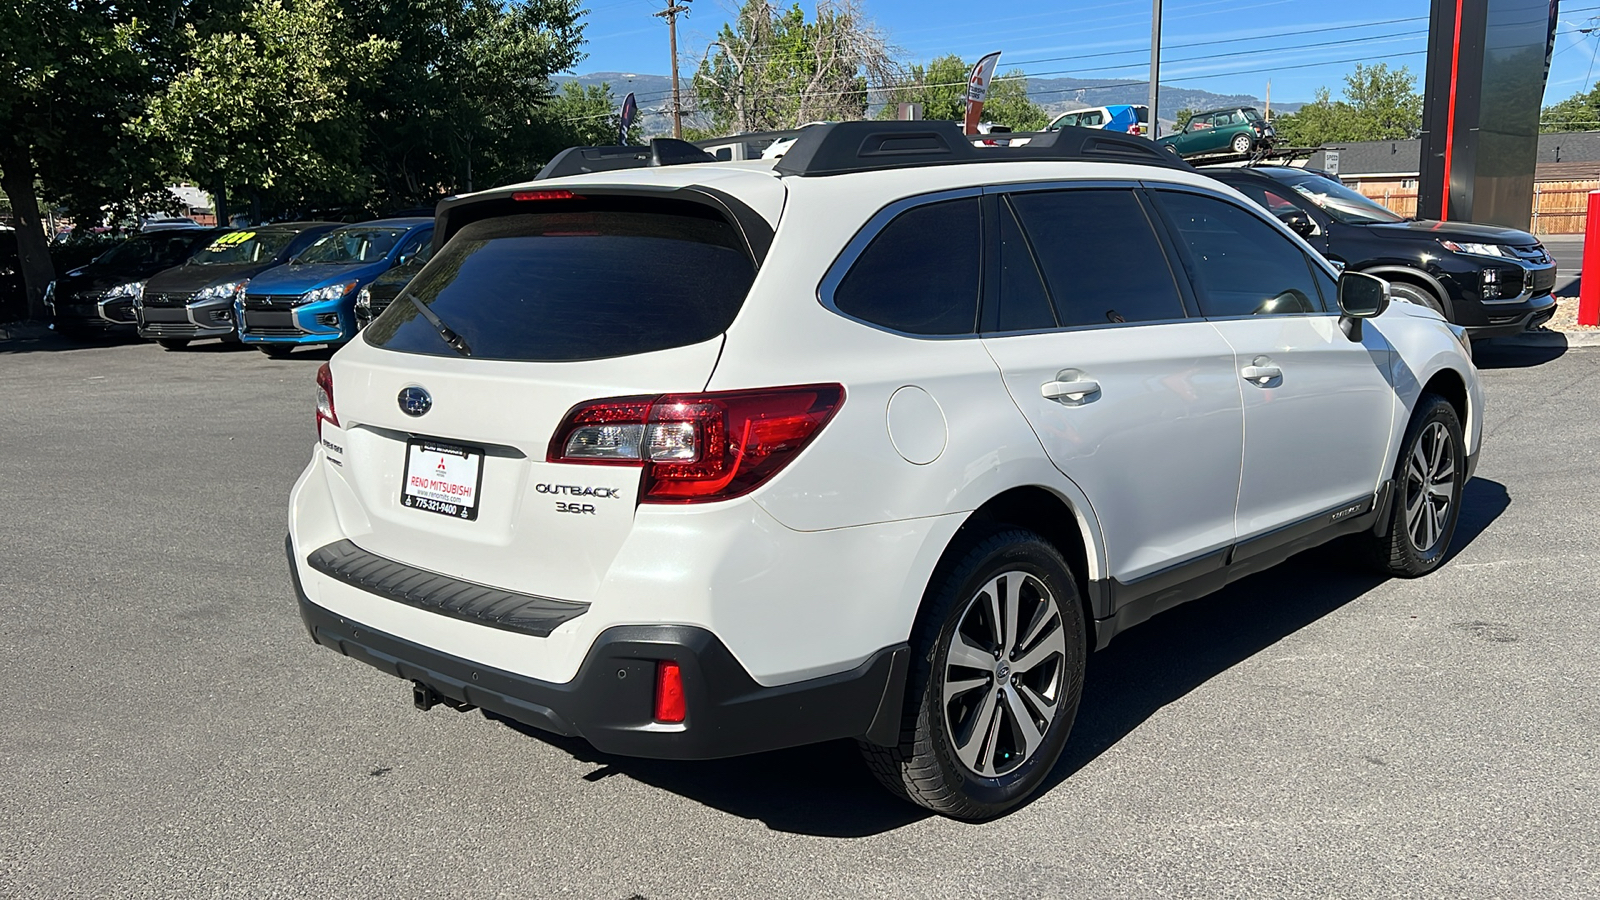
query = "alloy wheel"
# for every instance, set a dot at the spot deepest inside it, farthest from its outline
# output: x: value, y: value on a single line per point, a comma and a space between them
x: 1430, y: 487
x: 1003, y: 673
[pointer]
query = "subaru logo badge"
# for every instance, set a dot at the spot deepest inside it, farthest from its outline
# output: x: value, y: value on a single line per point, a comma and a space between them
x: 414, y: 401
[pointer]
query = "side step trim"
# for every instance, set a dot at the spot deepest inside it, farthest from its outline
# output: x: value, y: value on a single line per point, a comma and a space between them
x: 478, y: 603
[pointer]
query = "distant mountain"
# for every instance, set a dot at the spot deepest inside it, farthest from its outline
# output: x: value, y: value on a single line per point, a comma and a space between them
x: 1056, y: 95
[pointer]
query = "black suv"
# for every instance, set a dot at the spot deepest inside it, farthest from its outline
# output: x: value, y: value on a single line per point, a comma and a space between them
x: 1494, y: 281
x: 99, y: 298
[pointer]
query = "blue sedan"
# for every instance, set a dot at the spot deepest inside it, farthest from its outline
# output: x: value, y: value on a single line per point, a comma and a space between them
x: 311, y: 299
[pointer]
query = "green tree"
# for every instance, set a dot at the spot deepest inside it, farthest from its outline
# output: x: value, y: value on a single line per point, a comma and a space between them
x: 581, y: 116
x: 941, y: 88
x: 263, y: 107
x: 1378, y: 105
x: 1580, y: 112
x: 460, y: 104
x: 75, y: 73
x: 1182, y: 117
x: 773, y: 69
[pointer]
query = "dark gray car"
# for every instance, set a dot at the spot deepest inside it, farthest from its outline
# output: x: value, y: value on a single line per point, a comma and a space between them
x: 195, y: 300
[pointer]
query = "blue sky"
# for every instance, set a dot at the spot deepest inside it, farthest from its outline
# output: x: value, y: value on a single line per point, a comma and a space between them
x: 1305, y: 43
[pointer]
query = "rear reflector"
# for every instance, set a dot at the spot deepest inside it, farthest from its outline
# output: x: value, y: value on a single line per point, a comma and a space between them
x: 697, y: 447
x: 670, y: 706
x: 545, y: 195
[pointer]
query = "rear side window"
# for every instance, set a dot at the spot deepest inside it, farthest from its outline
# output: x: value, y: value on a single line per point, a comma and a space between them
x: 576, y: 283
x: 1101, y: 259
x: 920, y: 274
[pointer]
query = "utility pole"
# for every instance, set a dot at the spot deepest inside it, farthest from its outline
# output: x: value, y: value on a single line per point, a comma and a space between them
x: 1155, y: 68
x: 671, y: 15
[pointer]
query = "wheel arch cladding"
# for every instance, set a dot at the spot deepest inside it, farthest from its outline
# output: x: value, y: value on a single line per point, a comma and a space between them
x: 1046, y: 514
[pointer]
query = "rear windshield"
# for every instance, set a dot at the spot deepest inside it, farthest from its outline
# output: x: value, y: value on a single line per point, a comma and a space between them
x: 588, y: 283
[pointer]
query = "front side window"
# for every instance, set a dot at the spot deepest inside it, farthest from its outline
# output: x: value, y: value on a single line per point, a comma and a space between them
x: 920, y: 274
x: 1101, y: 259
x: 1241, y: 266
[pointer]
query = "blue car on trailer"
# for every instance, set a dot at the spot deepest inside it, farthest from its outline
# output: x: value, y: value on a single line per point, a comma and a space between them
x: 312, y: 298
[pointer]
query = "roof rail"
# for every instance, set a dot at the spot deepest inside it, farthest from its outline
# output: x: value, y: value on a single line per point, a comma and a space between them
x: 583, y: 160
x: 845, y: 147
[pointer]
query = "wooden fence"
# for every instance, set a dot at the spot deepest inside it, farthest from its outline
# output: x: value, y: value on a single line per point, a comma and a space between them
x: 1559, y: 207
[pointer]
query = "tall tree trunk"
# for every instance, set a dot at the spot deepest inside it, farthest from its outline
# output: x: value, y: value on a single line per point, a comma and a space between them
x: 16, y: 179
x: 219, y: 201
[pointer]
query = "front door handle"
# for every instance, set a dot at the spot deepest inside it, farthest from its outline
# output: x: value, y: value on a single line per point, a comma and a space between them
x: 1070, y: 387
x: 1261, y: 372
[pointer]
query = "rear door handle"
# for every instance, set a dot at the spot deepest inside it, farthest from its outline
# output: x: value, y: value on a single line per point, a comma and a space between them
x: 1070, y: 388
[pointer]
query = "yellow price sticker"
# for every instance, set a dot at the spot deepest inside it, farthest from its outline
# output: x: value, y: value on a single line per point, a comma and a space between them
x: 228, y: 240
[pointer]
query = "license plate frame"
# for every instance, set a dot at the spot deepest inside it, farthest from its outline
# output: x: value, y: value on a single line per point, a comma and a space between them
x: 444, y: 491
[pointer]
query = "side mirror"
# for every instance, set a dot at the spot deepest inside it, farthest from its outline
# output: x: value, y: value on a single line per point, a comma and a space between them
x: 1361, y: 296
x: 1299, y: 222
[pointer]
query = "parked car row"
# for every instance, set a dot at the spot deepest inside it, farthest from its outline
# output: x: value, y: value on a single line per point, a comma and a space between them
x: 275, y: 286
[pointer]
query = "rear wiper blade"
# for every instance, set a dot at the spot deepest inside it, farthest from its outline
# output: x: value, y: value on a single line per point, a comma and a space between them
x: 456, y: 341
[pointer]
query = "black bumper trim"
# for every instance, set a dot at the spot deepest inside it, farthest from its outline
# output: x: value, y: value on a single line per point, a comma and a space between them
x: 610, y: 701
x: 484, y: 605
x: 1525, y: 320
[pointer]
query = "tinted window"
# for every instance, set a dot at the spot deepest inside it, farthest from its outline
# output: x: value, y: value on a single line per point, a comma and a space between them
x: 1241, y: 265
x: 1024, y: 305
x: 582, y: 283
x: 920, y: 273
x: 1102, y: 261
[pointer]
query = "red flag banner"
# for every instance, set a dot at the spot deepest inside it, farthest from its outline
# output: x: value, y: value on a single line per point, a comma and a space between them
x: 978, y: 90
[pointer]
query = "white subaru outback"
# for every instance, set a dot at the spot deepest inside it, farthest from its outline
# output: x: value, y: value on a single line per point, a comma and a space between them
x: 876, y: 441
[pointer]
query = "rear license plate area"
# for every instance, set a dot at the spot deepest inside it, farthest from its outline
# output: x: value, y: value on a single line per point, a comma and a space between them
x: 442, y: 478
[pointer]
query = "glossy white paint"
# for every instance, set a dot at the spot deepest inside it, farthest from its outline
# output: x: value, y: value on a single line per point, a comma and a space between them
x: 1318, y: 435
x: 827, y: 563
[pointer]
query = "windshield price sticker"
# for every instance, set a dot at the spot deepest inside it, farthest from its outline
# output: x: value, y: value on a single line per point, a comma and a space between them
x: 442, y: 478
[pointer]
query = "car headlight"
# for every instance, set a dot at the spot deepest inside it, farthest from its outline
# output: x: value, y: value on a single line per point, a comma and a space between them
x: 226, y: 291
x: 331, y: 292
x: 134, y: 289
x: 1471, y: 249
x: 364, y: 299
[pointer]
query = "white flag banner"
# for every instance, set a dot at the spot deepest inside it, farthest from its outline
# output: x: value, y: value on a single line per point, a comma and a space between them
x: 978, y: 90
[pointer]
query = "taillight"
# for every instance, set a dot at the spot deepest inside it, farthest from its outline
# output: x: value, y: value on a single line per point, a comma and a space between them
x: 697, y: 447
x: 670, y: 705
x: 325, y: 410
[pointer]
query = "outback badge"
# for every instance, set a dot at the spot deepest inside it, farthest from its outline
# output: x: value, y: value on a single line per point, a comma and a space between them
x: 414, y: 401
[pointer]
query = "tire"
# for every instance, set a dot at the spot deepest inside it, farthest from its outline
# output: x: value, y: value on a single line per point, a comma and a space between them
x: 1001, y: 762
x: 173, y: 343
x: 1242, y: 143
x: 276, y: 351
x: 1419, y: 296
x: 1425, y: 475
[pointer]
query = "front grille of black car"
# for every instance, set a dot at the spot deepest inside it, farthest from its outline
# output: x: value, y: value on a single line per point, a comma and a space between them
x: 271, y: 301
x: 166, y: 301
x: 273, y: 323
x: 1544, y: 280
x: 1535, y: 254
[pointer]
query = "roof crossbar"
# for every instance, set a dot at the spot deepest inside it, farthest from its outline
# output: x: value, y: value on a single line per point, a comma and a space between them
x: 583, y: 160
x: 844, y: 147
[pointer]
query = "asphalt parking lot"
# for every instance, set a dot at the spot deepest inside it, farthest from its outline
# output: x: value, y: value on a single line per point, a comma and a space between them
x: 170, y: 731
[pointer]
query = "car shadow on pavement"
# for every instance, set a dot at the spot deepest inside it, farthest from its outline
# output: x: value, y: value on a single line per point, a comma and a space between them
x: 826, y: 790
x: 1164, y: 659
x: 1523, y: 351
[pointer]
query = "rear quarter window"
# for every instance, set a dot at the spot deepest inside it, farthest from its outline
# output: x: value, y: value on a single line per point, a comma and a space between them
x: 920, y: 273
x: 576, y: 283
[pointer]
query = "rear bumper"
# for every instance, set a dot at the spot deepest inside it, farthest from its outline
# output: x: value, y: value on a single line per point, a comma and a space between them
x: 610, y: 701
